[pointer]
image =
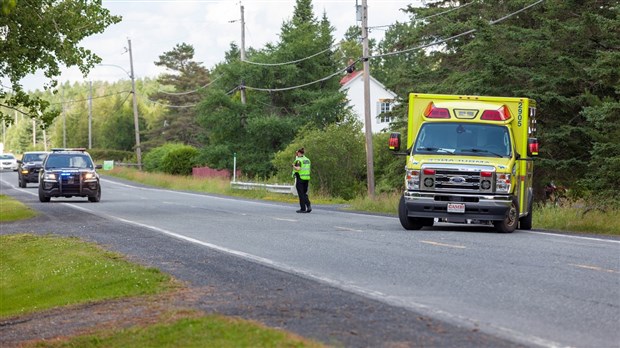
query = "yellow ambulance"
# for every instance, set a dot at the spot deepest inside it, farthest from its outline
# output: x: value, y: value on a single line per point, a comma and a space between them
x: 469, y: 160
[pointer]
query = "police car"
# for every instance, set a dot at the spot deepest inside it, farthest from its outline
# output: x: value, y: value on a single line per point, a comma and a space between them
x: 69, y: 173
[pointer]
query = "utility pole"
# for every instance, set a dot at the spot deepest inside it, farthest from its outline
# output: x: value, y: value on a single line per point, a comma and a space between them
x: 135, y: 108
x: 90, y: 115
x: 242, y: 53
x: 64, y: 121
x: 34, y: 132
x: 370, y: 170
x: 44, y: 140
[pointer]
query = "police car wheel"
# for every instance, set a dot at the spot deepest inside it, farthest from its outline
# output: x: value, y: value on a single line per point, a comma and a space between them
x: 43, y: 198
x: 95, y: 198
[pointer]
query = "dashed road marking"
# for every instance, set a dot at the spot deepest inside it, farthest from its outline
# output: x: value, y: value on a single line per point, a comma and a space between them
x: 443, y: 245
x: 347, y: 229
x: 594, y: 268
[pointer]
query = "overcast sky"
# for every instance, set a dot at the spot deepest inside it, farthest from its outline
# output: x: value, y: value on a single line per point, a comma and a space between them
x: 156, y: 26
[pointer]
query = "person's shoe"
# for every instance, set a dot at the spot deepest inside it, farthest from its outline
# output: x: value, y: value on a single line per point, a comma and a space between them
x: 309, y: 209
x: 301, y: 211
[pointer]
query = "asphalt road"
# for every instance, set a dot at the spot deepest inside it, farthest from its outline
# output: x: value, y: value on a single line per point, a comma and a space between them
x: 481, y: 288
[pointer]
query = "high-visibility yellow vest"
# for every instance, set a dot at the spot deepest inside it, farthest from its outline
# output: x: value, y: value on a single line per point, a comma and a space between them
x: 304, y: 171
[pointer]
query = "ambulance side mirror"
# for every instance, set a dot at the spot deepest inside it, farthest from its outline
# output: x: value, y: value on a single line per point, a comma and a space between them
x: 394, y: 142
x: 532, y: 147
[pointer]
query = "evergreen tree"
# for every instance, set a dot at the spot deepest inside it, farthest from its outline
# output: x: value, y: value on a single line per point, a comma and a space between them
x: 187, y: 78
x: 564, y: 54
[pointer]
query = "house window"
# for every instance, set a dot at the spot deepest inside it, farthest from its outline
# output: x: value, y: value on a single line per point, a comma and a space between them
x: 383, y: 107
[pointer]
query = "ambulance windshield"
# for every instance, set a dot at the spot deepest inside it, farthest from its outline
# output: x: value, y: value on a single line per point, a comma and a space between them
x: 465, y: 139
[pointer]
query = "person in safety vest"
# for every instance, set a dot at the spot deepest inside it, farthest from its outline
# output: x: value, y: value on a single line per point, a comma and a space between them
x: 301, y: 173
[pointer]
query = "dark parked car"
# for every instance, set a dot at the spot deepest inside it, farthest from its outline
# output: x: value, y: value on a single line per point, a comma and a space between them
x: 28, y: 167
x: 68, y: 173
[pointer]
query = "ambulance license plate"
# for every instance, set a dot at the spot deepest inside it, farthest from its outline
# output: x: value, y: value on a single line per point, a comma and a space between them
x: 456, y: 208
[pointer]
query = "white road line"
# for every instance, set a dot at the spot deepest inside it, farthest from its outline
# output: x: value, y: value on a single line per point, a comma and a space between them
x: 282, y: 219
x: 443, y: 245
x: 575, y: 237
x: 594, y: 268
x: 391, y: 300
x: 347, y: 229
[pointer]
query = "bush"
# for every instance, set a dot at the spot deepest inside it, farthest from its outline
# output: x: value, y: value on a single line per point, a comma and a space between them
x: 152, y: 160
x: 389, y: 168
x: 180, y: 161
x: 112, y: 155
x: 338, y: 159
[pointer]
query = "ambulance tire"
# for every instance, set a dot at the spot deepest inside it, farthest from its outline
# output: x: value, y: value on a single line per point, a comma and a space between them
x: 510, y: 222
x: 407, y: 222
x: 525, y: 223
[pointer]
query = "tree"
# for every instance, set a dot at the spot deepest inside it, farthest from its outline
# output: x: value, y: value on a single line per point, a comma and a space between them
x: 275, y: 108
x: 187, y: 78
x: 564, y: 54
x: 41, y: 35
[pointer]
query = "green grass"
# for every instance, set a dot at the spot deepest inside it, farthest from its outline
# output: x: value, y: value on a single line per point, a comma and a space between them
x: 211, y: 185
x: 13, y: 210
x: 41, y: 272
x: 207, y: 331
x: 577, y: 219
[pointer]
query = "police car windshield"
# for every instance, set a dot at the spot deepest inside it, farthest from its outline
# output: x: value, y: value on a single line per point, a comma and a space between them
x: 78, y: 161
x: 33, y: 157
x: 449, y: 138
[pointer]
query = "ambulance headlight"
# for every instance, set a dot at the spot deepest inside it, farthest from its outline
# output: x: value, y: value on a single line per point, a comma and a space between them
x: 503, y: 183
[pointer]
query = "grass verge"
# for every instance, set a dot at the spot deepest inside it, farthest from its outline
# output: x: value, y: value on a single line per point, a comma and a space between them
x: 577, y: 219
x: 13, y: 210
x: 206, y: 331
x: 212, y: 185
x: 41, y: 272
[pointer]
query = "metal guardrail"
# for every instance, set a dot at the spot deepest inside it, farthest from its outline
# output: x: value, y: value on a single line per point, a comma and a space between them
x: 277, y: 188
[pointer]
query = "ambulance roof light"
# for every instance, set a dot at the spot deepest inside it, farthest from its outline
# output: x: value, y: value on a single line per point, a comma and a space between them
x: 501, y: 114
x: 435, y: 112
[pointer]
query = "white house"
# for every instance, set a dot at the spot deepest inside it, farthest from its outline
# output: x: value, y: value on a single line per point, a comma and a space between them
x: 381, y: 99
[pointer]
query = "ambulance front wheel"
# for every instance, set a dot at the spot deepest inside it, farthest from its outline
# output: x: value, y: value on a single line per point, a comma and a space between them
x: 510, y: 222
x: 407, y: 222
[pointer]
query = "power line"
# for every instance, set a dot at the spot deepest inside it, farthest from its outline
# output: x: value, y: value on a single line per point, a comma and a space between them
x: 87, y: 99
x: 189, y: 92
x: 427, y: 17
x: 293, y: 61
x: 457, y: 35
x: 396, y: 52
x: 172, y: 106
x: 302, y: 85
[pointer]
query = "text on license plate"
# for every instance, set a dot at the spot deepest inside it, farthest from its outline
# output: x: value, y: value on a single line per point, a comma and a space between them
x: 456, y: 207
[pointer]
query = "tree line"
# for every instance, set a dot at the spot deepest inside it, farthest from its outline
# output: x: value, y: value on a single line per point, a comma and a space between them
x: 563, y: 54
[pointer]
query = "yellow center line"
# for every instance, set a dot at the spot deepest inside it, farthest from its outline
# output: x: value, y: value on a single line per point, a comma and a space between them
x: 594, y: 268
x: 444, y: 245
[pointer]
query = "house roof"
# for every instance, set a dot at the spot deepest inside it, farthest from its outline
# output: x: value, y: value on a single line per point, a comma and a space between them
x: 348, y: 79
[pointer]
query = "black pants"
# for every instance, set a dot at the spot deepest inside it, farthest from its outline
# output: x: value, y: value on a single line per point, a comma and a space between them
x: 302, y: 192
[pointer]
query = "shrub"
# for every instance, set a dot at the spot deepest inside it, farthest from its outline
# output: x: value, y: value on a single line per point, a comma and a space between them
x: 180, y: 161
x: 338, y: 159
x: 112, y: 155
x: 152, y: 160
